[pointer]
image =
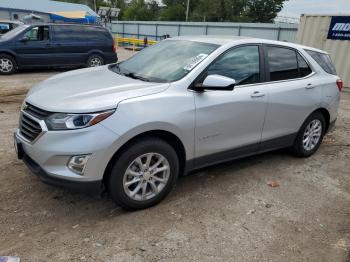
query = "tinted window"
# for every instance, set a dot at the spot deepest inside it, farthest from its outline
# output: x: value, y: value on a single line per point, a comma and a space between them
x: 80, y: 33
x: 304, y: 69
x: 324, y: 61
x: 283, y: 63
x: 241, y: 64
x: 38, y: 33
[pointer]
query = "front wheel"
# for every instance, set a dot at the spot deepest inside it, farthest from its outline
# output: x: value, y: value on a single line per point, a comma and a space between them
x: 310, y: 135
x: 8, y: 65
x: 143, y: 174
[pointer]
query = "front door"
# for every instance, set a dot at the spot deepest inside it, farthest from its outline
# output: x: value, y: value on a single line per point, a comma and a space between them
x: 34, y: 48
x: 229, y: 123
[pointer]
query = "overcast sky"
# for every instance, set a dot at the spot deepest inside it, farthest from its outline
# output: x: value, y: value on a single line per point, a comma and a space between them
x: 294, y: 8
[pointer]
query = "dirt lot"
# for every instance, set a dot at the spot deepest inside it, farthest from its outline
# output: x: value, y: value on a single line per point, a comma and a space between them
x: 222, y: 213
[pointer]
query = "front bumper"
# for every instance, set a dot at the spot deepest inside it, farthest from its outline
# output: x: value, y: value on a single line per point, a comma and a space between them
x: 49, y: 155
x: 91, y: 188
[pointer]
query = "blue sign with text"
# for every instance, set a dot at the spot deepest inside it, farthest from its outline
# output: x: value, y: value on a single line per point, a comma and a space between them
x: 339, y: 28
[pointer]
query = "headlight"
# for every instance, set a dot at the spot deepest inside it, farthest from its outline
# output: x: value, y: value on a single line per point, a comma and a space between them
x: 62, y: 121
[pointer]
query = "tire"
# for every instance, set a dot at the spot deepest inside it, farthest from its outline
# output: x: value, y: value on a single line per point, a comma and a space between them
x: 302, y: 148
x: 95, y: 60
x: 124, y: 194
x: 8, y: 65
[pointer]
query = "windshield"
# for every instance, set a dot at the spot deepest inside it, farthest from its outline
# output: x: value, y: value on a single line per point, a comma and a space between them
x: 14, y: 32
x: 167, y: 61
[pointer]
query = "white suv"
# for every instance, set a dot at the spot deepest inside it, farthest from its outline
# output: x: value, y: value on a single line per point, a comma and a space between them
x: 133, y: 127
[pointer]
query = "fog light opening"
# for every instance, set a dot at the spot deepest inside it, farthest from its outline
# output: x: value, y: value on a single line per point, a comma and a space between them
x: 77, y: 164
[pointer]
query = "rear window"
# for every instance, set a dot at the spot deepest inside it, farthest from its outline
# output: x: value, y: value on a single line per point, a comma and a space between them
x: 324, y: 61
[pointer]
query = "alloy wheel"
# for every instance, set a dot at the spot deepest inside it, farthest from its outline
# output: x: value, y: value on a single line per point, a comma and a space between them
x: 95, y: 62
x: 6, y: 65
x: 312, y: 135
x: 146, y: 176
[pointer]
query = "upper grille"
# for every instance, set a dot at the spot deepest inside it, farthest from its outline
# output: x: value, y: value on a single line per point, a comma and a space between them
x: 29, y: 128
x: 36, y: 112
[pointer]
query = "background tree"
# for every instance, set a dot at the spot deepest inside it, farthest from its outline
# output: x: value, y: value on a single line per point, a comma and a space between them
x: 259, y: 11
x: 141, y: 11
x: 263, y: 11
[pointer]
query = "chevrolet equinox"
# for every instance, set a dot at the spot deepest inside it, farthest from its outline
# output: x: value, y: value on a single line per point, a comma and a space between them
x: 132, y: 128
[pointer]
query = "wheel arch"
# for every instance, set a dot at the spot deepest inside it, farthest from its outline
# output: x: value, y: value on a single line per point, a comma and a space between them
x: 10, y: 53
x: 166, y: 136
x: 94, y: 52
x: 326, y: 116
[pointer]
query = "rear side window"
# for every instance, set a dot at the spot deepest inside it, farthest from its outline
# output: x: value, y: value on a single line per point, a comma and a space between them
x: 304, y: 69
x: 286, y: 63
x: 80, y: 33
x: 283, y: 63
x: 324, y: 61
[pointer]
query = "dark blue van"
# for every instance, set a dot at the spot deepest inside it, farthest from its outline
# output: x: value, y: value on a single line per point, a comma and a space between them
x: 55, y: 45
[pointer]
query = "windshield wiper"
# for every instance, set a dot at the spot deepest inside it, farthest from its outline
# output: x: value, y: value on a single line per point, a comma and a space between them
x: 133, y: 76
x: 116, y: 68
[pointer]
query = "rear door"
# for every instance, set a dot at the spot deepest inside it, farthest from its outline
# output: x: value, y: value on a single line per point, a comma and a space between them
x: 33, y: 48
x: 293, y: 94
x: 70, y: 44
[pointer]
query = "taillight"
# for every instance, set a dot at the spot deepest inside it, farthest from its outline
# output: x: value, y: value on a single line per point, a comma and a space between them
x: 114, y: 48
x: 340, y: 84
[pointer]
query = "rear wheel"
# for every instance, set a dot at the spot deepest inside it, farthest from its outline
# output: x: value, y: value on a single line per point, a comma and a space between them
x: 8, y: 64
x: 95, y: 60
x: 143, y: 174
x: 310, y: 135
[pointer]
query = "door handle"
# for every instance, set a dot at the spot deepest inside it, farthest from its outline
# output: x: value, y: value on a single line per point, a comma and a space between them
x: 309, y: 86
x: 257, y: 94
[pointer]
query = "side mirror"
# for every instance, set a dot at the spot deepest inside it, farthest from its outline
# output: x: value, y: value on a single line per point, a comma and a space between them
x: 25, y: 39
x: 218, y: 83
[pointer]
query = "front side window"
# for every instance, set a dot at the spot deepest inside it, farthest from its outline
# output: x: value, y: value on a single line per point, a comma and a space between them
x: 168, y: 61
x: 38, y: 33
x: 241, y: 64
x: 283, y: 63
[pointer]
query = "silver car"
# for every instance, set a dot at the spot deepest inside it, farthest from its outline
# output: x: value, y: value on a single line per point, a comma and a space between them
x: 186, y: 103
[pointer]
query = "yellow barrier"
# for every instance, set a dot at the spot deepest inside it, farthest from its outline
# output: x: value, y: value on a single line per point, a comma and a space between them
x: 134, y: 42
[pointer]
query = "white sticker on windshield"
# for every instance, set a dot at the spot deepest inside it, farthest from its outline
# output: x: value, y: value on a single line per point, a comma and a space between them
x: 194, y: 61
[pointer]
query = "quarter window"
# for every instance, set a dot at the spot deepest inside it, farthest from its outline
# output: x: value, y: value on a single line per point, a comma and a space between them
x: 241, y: 64
x: 324, y: 61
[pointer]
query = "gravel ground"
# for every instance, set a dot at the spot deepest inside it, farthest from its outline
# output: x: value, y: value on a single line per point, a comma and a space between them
x: 223, y: 213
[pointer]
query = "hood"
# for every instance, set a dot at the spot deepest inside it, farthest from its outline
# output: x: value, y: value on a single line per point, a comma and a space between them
x: 88, y: 90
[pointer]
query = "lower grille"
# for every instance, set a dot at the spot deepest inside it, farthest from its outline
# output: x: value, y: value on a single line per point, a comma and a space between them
x: 29, y: 128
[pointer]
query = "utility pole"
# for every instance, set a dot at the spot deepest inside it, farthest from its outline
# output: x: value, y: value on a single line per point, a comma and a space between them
x: 95, y: 6
x: 188, y: 9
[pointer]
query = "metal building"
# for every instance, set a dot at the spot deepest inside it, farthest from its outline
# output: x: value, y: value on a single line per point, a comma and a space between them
x: 329, y: 33
x: 49, y: 11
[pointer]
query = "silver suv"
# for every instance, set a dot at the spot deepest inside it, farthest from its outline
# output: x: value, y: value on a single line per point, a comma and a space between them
x: 132, y: 128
